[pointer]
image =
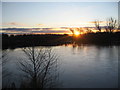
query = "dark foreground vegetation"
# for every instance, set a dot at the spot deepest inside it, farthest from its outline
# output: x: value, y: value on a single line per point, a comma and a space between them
x: 99, y: 38
x: 37, y: 71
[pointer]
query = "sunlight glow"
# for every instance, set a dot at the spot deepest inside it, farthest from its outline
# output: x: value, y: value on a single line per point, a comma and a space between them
x: 77, y: 33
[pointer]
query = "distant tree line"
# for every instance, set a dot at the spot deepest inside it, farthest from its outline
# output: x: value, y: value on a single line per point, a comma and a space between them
x: 110, y: 35
x: 13, y: 41
x: 103, y: 38
x: 55, y: 40
x: 106, y: 37
x: 111, y: 25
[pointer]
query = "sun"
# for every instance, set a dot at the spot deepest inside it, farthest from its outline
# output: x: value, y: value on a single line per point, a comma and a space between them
x: 77, y: 33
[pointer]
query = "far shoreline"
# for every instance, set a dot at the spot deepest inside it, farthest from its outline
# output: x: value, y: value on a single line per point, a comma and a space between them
x: 100, y: 38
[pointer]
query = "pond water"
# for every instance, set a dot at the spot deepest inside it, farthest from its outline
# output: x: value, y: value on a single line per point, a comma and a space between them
x: 84, y: 66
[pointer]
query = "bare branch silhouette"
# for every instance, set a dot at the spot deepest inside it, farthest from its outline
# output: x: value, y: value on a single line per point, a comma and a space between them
x: 118, y: 28
x: 111, y: 24
x: 89, y: 30
x: 40, y: 68
x: 97, y: 24
x: 72, y: 31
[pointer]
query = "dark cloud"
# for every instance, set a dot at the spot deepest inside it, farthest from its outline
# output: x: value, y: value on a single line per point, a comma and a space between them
x: 15, y: 29
x: 51, y: 31
x: 33, y: 30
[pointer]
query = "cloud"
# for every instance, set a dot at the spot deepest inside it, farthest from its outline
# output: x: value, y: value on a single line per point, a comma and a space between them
x: 49, y: 30
x: 40, y: 24
x: 15, y: 24
x: 15, y: 29
x: 34, y: 30
x: 102, y: 22
x: 52, y: 31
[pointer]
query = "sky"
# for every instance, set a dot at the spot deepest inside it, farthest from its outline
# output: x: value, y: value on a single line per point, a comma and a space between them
x: 56, y: 14
x: 59, y: 0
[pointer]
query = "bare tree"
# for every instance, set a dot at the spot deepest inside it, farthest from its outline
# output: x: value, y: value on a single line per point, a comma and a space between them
x: 88, y: 30
x: 76, y: 29
x: 111, y: 24
x: 118, y: 28
x: 97, y: 25
x: 79, y: 30
x: 72, y: 31
x: 106, y: 28
x: 40, y: 68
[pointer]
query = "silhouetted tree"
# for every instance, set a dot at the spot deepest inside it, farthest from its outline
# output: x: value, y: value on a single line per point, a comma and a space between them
x: 111, y: 24
x: 79, y: 30
x: 72, y: 31
x: 40, y: 68
x: 106, y: 28
x: 118, y: 26
x: 97, y: 25
x: 89, y: 30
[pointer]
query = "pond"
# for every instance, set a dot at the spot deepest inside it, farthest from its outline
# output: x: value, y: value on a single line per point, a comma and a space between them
x: 84, y: 66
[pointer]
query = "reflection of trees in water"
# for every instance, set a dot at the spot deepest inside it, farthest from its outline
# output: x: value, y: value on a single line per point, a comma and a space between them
x: 40, y: 69
x: 77, y: 47
x: 6, y: 73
